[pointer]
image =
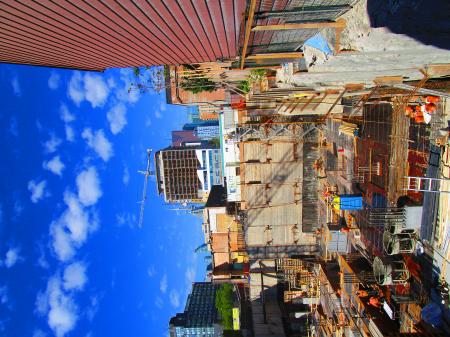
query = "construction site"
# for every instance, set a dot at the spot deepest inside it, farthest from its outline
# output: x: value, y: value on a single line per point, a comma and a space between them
x: 334, y: 217
x: 341, y: 194
x: 343, y: 204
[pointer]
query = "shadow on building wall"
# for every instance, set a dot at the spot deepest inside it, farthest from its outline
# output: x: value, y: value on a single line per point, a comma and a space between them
x: 427, y: 21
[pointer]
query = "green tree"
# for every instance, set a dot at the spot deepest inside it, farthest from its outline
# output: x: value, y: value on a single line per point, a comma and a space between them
x: 197, y: 84
x: 224, y: 305
x: 215, y: 142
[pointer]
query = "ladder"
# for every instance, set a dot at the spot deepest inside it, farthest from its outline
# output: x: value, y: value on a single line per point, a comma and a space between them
x: 424, y: 184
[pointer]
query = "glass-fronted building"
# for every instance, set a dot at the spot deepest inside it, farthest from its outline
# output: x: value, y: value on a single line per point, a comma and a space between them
x: 200, y: 316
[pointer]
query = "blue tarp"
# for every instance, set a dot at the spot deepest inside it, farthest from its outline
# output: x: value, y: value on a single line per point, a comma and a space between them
x: 351, y: 202
x: 319, y: 42
x: 431, y: 314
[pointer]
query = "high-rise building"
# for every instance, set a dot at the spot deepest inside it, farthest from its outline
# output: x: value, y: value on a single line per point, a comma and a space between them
x: 207, y: 132
x: 200, y: 316
x: 186, y: 174
x: 95, y: 35
x: 193, y: 126
x: 181, y: 137
x: 193, y: 114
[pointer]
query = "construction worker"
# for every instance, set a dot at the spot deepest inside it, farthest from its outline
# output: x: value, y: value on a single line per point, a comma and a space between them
x: 366, y: 293
x: 432, y: 99
x: 375, y: 302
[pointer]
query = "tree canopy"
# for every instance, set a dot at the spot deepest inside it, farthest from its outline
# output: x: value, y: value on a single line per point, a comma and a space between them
x: 224, y: 305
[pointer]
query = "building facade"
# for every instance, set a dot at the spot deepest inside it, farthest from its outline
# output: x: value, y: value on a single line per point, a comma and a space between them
x: 230, y: 153
x: 186, y: 174
x: 207, y: 132
x: 176, y: 174
x: 210, y: 168
x: 181, y: 137
x: 81, y: 35
x: 200, y: 316
x: 224, y: 237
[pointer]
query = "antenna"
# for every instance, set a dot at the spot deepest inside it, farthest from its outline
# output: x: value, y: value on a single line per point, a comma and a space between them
x: 146, y: 174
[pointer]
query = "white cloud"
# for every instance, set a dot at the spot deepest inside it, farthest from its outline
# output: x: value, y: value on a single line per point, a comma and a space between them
x: 88, y: 185
x: 12, y: 257
x: 39, y: 126
x: 126, y: 176
x: 158, y: 114
x: 91, y: 311
x: 70, y: 134
x: 75, y: 276
x: 159, y: 303
x: 111, y: 82
x: 90, y: 87
x: 16, y: 86
x: 151, y: 271
x: 54, y: 165
x: 52, y: 144
x: 65, y: 114
x: 76, y: 219
x: 148, y: 122
x: 18, y: 208
x: 70, y: 230
x: 75, y: 89
x: 42, y: 259
x: 3, y: 295
x: 37, y: 190
x: 67, y: 117
x: 126, y: 219
x: 123, y: 93
x: 39, y: 333
x: 174, y: 298
x: 59, y: 307
x: 163, y: 284
x: 62, y: 243
x: 96, y: 90
x: 98, y: 142
x: 190, y: 275
x: 117, y: 118
x: 53, y: 80
x: 13, y: 127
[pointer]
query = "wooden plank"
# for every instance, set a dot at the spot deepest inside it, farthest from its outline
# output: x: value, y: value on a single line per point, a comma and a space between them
x: 354, y: 86
x: 388, y: 80
x: 334, y: 104
x: 437, y: 70
x: 307, y: 25
x: 289, y: 55
x: 338, y: 31
x: 248, y: 27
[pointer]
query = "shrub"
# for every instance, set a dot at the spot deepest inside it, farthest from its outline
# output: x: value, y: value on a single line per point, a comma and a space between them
x: 224, y: 305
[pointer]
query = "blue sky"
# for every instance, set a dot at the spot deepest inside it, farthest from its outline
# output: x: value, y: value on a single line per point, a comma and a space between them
x: 72, y: 260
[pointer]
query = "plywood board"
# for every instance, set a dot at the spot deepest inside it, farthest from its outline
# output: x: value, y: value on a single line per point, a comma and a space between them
x: 281, y: 152
x: 281, y: 194
x: 275, y: 216
x: 255, y: 151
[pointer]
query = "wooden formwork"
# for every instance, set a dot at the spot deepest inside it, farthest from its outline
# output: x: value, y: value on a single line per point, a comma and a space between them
x: 398, y: 159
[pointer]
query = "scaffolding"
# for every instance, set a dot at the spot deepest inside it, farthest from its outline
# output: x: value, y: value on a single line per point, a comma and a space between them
x: 300, y: 278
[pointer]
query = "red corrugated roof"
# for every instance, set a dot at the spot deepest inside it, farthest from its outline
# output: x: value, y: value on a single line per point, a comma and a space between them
x: 122, y: 33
